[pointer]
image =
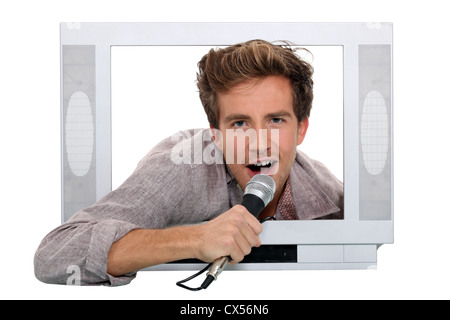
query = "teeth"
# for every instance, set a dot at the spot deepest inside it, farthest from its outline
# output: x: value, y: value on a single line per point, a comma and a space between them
x: 263, y: 163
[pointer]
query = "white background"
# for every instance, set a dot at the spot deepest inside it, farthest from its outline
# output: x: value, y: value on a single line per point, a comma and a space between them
x: 414, y: 267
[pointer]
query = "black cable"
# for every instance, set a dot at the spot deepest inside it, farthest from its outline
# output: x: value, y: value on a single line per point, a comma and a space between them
x: 180, y: 283
x: 209, y: 279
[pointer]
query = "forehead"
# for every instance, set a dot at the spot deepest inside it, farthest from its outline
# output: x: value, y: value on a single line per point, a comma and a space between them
x: 262, y: 95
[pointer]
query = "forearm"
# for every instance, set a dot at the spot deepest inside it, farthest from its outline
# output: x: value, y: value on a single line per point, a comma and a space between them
x: 142, y: 248
x: 231, y: 234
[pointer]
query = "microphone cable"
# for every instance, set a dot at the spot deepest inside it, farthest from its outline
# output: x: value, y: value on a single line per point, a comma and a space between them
x: 204, y: 285
x: 209, y: 279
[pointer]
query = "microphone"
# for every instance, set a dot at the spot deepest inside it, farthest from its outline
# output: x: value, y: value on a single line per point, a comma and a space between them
x: 258, y: 192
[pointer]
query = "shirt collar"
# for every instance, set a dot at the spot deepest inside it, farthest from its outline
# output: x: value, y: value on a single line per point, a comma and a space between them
x: 310, y: 201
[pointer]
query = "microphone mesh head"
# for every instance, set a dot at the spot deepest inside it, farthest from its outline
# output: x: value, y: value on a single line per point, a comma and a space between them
x: 262, y: 186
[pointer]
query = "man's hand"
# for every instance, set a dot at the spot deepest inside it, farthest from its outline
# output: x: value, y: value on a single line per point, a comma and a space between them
x: 233, y: 234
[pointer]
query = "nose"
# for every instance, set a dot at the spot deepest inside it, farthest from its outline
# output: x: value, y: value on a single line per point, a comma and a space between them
x: 259, y: 144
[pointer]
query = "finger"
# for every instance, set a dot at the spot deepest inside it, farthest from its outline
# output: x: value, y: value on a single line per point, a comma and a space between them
x: 242, y: 241
x: 250, y: 236
x: 243, y: 220
x: 249, y: 226
x: 242, y: 245
x: 236, y: 254
x: 253, y: 222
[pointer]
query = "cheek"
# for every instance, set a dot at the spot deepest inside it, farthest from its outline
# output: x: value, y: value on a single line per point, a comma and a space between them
x: 287, y: 144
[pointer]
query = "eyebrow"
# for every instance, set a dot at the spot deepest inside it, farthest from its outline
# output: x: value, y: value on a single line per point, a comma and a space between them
x: 279, y: 114
x: 236, y: 116
x: 240, y: 116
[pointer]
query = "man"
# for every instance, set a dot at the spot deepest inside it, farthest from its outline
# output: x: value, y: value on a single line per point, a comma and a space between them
x: 257, y: 96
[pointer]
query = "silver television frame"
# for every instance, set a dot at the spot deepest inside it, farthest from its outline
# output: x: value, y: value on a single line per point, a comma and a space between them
x: 350, y: 243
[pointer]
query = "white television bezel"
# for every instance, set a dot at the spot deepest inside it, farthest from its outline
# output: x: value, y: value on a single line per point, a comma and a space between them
x: 348, y: 243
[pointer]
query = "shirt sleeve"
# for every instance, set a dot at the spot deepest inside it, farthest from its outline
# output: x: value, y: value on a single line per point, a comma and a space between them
x: 76, y: 252
x: 158, y: 194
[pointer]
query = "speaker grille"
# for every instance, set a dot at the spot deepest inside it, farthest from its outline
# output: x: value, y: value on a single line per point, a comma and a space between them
x: 374, y: 132
x: 79, y: 133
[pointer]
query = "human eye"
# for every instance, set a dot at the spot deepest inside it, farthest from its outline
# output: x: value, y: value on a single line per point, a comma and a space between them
x: 239, y: 124
x: 277, y: 120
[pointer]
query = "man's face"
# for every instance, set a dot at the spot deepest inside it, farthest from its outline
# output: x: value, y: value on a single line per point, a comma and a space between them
x: 262, y: 111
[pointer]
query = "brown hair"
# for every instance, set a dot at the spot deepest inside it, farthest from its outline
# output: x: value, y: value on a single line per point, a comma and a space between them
x: 221, y: 69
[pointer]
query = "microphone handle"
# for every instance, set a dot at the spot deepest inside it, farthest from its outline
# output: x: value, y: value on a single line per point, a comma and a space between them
x: 253, y: 204
x: 218, y: 266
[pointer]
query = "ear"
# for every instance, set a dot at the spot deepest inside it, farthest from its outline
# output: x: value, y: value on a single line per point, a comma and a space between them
x: 302, y: 128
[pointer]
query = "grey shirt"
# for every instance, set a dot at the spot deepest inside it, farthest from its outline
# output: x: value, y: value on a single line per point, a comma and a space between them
x: 161, y: 193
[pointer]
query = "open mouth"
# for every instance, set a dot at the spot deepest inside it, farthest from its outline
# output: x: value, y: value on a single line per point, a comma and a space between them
x: 262, y: 167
